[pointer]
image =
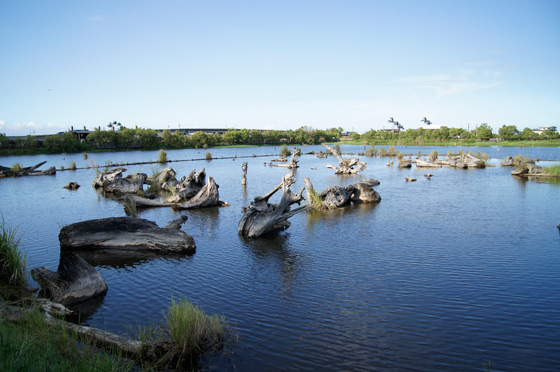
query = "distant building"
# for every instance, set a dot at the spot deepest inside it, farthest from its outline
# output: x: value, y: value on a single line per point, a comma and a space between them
x: 540, y: 130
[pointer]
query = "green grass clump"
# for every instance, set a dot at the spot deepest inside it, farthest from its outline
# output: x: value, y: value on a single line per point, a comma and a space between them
x: 33, y: 345
x: 192, y: 331
x: 12, y: 259
x: 285, y: 151
x: 16, y: 168
x: 72, y: 165
x: 555, y: 169
x: 208, y: 156
x: 162, y: 157
x: 433, y: 155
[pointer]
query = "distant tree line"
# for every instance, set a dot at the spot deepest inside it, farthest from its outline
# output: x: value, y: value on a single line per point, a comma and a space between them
x: 148, y: 139
x: 445, y: 134
x: 138, y: 138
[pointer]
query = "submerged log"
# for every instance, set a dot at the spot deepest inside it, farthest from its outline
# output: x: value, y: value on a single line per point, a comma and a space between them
x: 262, y: 217
x: 410, y: 179
x: 74, y: 281
x: 124, y: 234
x: 345, y: 166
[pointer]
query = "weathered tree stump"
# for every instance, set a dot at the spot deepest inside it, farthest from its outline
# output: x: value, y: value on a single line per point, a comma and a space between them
x: 74, y: 281
x: 336, y: 196
x: 345, y: 166
x: 292, y: 164
x: 72, y: 186
x: 262, y: 217
x: 244, y: 171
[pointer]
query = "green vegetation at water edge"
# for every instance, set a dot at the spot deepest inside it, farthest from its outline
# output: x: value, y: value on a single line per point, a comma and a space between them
x: 552, y: 170
x: 13, y: 269
x: 33, y: 345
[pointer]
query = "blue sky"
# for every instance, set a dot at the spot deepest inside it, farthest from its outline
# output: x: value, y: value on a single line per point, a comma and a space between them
x: 278, y: 64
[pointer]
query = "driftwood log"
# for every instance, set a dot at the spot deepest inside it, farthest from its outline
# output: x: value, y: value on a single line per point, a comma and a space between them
x: 207, y: 196
x: 462, y: 161
x: 292, y: 164
x: 426, y: 164
x: 74, y: 281
x: 27, y: 171
x: 345, y: 166
x: 126, y: 234
x: 262, y: 217
x: 337, y: 196
x: 113, y: 181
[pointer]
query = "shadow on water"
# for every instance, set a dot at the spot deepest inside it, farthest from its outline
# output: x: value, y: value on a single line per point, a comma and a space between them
x: 272, y: 253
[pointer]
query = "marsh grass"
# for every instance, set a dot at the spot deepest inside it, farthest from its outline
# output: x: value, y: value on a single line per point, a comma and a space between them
x: 372, y: 151
x: 315, y: 201
x: 72, y: 165
x: 555, y: 169
x: 191, y: 331
x: 12, y: 259
x: 162, y: 157
x: 208, y: 156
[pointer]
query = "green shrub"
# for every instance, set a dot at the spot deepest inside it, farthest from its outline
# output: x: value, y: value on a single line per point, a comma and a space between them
x: 208, y: 156
x: 72, y: 165
x: 162, y: 157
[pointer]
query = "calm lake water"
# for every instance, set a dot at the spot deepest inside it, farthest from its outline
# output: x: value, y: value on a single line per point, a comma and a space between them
x: 457, y: 273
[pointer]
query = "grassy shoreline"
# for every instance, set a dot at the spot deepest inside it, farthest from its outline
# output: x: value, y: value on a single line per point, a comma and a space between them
x: 376, y: 142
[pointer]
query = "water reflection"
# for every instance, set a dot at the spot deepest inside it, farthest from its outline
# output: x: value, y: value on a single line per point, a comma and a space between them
x: 273, y: 253
x: 128, y: 260
x: 85, y: 310
x: 314, y: 217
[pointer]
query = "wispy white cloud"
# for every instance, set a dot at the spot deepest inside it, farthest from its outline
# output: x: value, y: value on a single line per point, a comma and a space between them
x: 461, y: 81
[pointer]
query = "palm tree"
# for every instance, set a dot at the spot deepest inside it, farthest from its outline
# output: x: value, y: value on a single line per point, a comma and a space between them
x: 426, y: 121
x: 392, y: 121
